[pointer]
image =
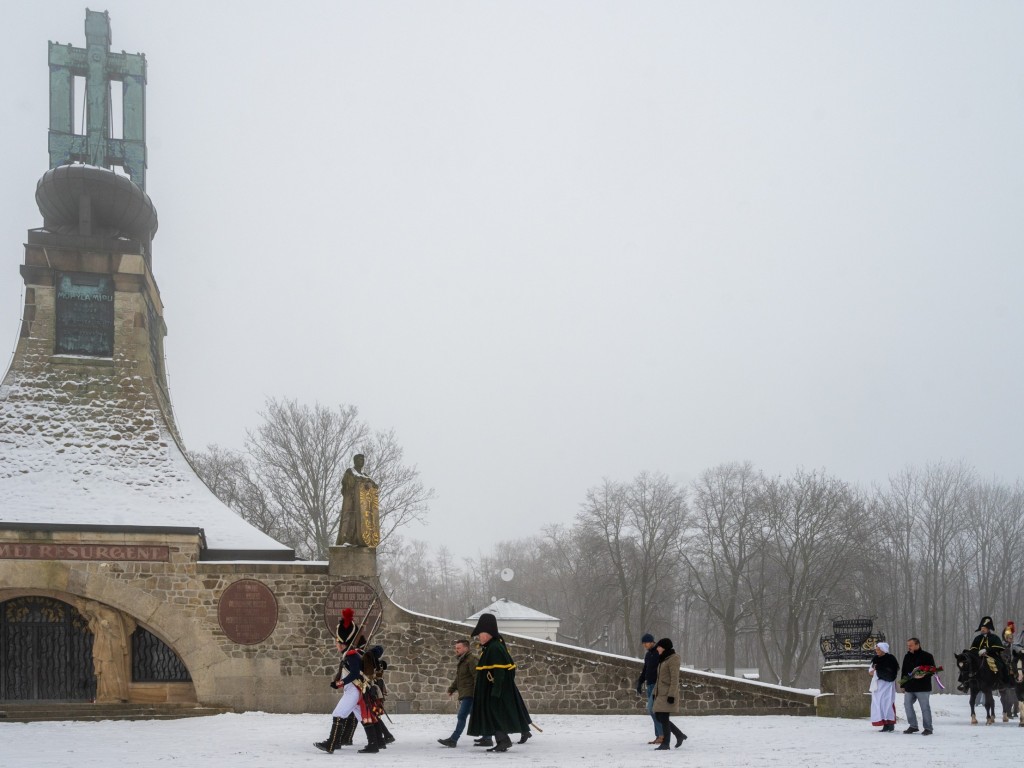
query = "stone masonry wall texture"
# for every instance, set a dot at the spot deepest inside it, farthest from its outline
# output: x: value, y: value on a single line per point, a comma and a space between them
x: 555, y: 678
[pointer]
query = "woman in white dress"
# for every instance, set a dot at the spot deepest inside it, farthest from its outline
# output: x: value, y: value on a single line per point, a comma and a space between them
x: 884, y: 671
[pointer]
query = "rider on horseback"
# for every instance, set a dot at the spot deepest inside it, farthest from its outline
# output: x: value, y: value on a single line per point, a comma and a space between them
x: 987, y: 643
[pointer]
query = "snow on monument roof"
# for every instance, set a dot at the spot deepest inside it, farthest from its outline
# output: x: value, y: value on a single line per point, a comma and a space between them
x: 99, y: 463
x: 510, y: 611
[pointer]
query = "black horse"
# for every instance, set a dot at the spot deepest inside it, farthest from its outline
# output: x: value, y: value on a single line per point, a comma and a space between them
x: 977, y: 677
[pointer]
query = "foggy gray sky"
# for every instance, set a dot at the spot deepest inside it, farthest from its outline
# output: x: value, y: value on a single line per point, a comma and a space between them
x: 551, y: 242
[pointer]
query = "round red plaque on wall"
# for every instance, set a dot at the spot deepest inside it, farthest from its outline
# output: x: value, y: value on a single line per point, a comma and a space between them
x: 247, y: 612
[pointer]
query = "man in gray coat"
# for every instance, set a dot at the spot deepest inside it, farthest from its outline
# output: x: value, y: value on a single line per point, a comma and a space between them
x: 464, y: 685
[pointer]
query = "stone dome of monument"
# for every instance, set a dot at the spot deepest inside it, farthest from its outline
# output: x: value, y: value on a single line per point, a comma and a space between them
x: 118, y: 207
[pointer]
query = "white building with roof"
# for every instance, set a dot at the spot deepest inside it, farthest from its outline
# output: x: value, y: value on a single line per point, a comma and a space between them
x: 518, y: 619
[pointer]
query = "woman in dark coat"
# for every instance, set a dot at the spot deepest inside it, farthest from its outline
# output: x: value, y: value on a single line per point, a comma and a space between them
x: 885, y: 669
x: 666, y: 692
x: 496, y: 709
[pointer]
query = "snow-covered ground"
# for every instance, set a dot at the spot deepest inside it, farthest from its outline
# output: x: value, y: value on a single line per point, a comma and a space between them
x: 255, y: 739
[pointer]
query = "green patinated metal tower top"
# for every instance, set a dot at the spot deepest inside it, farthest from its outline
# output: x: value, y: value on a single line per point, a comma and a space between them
x: 101, y: 69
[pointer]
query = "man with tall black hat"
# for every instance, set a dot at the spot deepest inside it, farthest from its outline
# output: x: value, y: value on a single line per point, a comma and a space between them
x: 988, y: 643
x: 497, y: 709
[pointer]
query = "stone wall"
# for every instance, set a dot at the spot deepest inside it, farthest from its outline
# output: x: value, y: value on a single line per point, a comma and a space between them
x: 561, y: 679
x: 290, y: 670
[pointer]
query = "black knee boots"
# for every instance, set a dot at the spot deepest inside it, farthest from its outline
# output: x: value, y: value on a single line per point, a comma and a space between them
x: 332, y: 740
x: 348, y: 730
x: 374, y: 741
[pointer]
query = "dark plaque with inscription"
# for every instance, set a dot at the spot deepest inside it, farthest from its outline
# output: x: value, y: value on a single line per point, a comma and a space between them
x: 247, y: 612
x: 85, y: 315
x: 360, y: 597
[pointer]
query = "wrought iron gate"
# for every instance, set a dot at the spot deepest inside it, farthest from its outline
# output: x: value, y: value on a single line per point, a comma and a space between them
x: 155, y: 662
x: 45, y: 651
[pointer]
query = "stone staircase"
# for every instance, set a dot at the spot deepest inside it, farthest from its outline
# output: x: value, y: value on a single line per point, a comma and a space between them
x: 31, y: 712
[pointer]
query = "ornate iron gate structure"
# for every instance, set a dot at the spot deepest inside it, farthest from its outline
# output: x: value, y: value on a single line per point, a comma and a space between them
x: 45, y: 651
x: 154, y: 662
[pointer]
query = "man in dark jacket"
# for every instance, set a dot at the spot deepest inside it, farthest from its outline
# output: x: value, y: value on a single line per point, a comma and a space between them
x: 916, y: 678
x: 988, y: 643
x: 497, y: 710
x: 986, y: 639
x: 464, y: 685
x: 645, y: 683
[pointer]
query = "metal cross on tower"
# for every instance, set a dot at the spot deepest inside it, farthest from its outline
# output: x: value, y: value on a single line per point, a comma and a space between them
x: 100, y: 68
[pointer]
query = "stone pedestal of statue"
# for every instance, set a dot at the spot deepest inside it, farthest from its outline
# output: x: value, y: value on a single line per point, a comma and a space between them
x: 844, y: 691
x: 354, y: 563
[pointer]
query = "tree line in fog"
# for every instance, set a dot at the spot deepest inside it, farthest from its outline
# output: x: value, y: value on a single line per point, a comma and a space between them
x: 742, y: 569
x: 747, y: 570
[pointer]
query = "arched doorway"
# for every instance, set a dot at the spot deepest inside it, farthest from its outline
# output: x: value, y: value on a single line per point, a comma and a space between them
x: 45, y: 651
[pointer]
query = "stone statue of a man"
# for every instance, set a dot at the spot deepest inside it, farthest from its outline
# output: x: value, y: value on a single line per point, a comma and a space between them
x: 360, y: 516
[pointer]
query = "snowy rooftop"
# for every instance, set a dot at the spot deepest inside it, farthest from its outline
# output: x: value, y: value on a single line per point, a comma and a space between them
x: 104, y: 463
x: 510, y: 611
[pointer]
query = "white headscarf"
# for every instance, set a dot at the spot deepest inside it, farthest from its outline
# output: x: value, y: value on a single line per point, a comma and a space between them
x: 884, y: 646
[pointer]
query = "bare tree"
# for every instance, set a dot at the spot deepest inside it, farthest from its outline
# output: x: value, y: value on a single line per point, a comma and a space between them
x: 288, y: 483
x: 997, y: 556
x: 300, y: 454
x: 406, y: 574
x: 895, y: 519
x: 229, y: 475
x: 947, y: 493
x: 1007, y: 513
x: 403, y: 497
x: 812, y: 535
x: 638, y: 526
x: 933, y: 536
x: 722, y: 546
x: 582, y: 590
x: 221, y: 469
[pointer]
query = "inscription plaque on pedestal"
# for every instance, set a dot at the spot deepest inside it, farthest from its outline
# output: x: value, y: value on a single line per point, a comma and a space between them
x: 85, y: 315
x: 361, y: 598
x: 247, y: 612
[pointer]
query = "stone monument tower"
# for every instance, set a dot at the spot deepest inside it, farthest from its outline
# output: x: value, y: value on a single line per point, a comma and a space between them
x: 92, y: 308
x: 86, y: 425
x: 95, y: 487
